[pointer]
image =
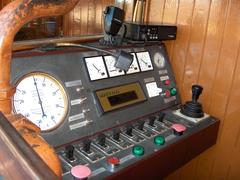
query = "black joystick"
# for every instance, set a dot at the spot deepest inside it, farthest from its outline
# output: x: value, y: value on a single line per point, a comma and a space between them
x: 69, y: 151
x: 193, y: 108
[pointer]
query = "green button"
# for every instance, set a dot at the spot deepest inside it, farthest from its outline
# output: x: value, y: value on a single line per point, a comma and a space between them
x: 173, y: 91
x: 159, y: 140
x: 138, y: 150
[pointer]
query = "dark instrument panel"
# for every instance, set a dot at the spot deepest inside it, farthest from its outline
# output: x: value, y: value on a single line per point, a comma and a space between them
x: 102, y: 117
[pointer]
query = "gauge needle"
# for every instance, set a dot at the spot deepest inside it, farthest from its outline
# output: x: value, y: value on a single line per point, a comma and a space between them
x: 39, y: 98
x: 144, y: 62
x: 96, y: 68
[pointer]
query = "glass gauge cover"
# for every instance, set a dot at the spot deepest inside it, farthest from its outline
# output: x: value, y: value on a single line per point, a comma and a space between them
x: 112, y: 70
x: 159, y: 60
x: 144, y: 61
x: 96, y: 68
x: 134, y: 68
x: 41, y: 99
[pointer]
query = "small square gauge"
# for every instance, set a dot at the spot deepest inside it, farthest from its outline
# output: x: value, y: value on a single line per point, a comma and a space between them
x: 96, y: 68
x: 144, y: 61
x: 134, y: 68
x: 112, y: 70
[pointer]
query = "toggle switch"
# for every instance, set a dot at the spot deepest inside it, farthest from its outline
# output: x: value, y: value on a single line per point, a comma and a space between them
x: 151, y: 120
x: 116, y: 134
x: 141, y: 125
x: 102, y: 140
x: 129, y: 130
x: 69, y: 151
x: 87, y: 145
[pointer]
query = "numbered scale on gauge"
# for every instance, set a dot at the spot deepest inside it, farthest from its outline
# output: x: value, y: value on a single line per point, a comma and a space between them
x: 41, y: 99
x: 159, y: 60
x: 144, y: 61
x: 96, y: 68
x: 112, y: 70
x: 134, y: 68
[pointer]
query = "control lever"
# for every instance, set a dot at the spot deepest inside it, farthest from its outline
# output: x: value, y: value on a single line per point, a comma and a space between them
x: 69, y: 151
x: 102, y: 140
x: 116, y: 134
x: 193, y: 108
x: 161, y: 116
x: 87, y: 146
x: 141, y: 125
x: 129, y: 130
x: 151, y: 121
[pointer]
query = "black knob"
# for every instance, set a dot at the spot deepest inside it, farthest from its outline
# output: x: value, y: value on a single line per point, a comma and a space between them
x: 102, y: 140
x: 193, y: 108
x: 161, y: 116
x: 129, y: 130
x: 116, y: 134
x: 151, y: 120
x: 69, y: 151
x: 140, y: 125
x: 196, y: 92
x: 86, y: 145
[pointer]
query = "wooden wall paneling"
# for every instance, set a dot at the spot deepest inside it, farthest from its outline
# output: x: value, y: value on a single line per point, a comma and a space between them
x: 170, y: 15
x: 222, y: 103
x: 155, y: 12
x: 85, y: 18
x: 214, y: 37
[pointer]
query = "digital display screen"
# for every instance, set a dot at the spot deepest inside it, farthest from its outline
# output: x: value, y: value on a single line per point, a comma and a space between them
x: 122, y: 98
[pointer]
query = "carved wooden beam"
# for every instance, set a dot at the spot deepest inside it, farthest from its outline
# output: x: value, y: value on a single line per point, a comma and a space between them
x: 12, y: 18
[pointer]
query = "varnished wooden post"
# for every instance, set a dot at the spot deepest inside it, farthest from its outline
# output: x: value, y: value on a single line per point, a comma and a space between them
x: 12, y: 18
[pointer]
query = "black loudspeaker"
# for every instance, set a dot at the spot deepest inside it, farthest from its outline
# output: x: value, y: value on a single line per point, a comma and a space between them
x: 113, y: 20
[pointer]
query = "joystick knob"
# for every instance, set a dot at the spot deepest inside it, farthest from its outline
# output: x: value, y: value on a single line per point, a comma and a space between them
x: 69, y: 150
x: 193, y: 108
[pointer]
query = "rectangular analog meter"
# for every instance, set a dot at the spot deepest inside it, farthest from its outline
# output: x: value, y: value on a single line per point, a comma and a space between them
x: 144, y: 61
x: 121, y: 96
x: 96, y: 68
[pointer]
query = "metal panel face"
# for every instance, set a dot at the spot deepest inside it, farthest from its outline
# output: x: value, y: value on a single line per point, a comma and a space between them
x: 85, y: 114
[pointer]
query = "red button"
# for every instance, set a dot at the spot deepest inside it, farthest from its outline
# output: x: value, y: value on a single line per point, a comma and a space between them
x: 167, y: 82
x: 113, y: 161
x: 179, y: 127
x: 167, y: 93
x: 81, y: 172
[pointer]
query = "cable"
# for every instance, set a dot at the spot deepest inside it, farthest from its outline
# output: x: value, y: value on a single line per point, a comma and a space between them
x: 85, y: 46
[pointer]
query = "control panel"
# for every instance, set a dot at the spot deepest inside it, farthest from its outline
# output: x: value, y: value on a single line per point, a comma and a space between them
x: 101, y: 119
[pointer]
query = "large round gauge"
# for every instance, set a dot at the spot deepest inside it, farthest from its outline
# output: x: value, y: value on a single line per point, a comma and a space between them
x: 41, y: 99
x: 159, y: 60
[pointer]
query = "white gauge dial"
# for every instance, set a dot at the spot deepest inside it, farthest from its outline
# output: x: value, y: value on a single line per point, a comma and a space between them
x: 134, y: 68
x: 112, y: 70
x: 96, y: 68
x: 144, y: 61
x: 41, y: 99
x: 159, y: 60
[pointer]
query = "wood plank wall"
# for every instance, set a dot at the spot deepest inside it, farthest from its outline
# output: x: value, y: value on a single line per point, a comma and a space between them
x: 86, y: 18
x: 207, y: 51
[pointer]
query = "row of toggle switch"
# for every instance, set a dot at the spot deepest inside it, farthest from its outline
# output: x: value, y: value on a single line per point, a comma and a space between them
x: 108, y: 144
